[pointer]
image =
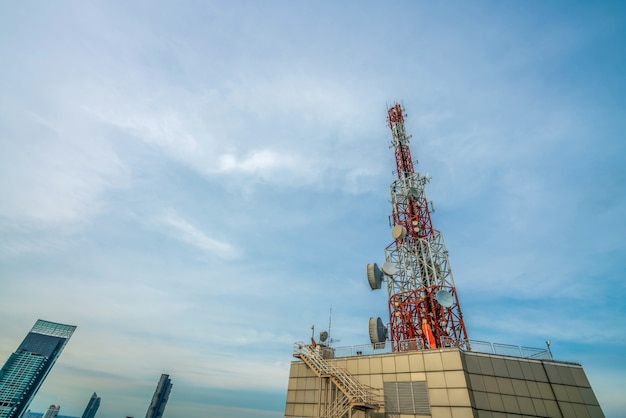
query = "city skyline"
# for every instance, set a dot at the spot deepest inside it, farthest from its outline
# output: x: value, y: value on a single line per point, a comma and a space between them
x: 195, y: 184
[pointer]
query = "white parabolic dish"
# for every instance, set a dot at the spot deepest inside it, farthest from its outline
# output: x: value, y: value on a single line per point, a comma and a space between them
x: 398, y: 232
x: 444, y: 298
x: 388, y: 268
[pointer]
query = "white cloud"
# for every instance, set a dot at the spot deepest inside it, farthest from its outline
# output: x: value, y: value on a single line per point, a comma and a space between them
x: 230, y: 132
x: 184, y: 231
x: 56, y: 172
x: 269, y: 167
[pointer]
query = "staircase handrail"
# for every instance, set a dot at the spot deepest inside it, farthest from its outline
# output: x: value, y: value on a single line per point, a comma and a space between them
x: 355, y: 390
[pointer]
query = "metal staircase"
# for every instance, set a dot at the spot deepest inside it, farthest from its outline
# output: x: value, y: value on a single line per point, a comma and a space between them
x: 352, y: 394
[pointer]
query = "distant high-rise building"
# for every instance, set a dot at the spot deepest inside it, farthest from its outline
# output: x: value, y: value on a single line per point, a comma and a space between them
x: 25, y: 370
x: 53, y: 411
x: 92, y: 406
x: 159, y: 399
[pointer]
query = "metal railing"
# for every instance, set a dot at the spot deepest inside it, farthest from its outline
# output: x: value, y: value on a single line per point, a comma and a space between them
x: 357, y: 392
x: 508, y: 350
x: 468, y: 345
x: 339, y: 407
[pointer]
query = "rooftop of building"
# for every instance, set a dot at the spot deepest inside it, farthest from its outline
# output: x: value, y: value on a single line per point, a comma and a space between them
x: 474, y: 346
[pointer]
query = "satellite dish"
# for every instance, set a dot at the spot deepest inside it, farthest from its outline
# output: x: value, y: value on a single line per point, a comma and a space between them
x: 388, y: 268
x: 414, y: 192
x: 398, y: 232
x: 374, y: 276
x: 444, y: 298
x: 378, y: 331
x: 323, y: 336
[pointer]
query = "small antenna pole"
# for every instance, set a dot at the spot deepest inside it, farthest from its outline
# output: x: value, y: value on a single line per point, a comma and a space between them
x: 330, y: 317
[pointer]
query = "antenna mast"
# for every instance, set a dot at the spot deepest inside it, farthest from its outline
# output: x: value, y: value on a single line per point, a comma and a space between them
x: 423, y: 302
x: 330, y: 318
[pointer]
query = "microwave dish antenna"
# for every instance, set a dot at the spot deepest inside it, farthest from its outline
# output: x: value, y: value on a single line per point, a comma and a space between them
x: 398, y: 232
x: 374, y: 276
x: 377, y: 331
x: 444, y: 298
x: 389, y: 268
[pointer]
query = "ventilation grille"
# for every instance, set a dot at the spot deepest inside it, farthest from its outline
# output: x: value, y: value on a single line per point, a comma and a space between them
x: 406, y: 398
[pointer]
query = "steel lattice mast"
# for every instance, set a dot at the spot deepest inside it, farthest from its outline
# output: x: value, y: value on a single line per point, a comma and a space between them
x: 423, y: 302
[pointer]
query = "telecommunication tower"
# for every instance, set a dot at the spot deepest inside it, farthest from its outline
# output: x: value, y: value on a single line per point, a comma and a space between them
x: 424, y: 310
x: 424, y: 316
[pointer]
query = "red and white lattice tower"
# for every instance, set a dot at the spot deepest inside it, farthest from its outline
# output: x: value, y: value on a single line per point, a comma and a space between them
x: 424, y: 310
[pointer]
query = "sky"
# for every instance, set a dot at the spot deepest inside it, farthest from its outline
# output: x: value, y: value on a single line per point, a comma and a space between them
x: 194, y: 184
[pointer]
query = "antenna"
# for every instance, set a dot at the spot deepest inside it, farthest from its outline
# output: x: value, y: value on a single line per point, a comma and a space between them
x: 330, y: 317
x: 389, y: 268
x: 444, y: 298
x: 374, y: 276
x: 378, y: 332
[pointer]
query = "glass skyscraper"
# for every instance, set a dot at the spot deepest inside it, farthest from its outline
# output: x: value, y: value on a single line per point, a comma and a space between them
x: 92, y: 406
x: 159, y: 399
x: 25, y: 370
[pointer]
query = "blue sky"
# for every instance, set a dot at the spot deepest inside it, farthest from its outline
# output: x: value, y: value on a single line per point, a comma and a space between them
x: 194, y: 184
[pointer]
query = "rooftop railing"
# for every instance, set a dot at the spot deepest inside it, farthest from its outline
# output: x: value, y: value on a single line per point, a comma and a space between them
x: 468, y: 345
x: 509, y: 350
